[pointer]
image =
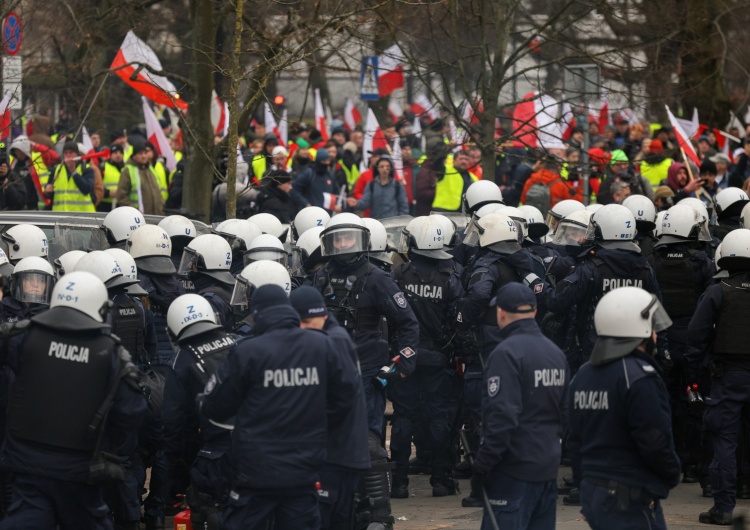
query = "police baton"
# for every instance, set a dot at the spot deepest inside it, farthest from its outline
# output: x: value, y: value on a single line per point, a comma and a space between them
x: 485, y: 498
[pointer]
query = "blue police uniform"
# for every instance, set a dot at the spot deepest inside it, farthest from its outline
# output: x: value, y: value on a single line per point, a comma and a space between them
x: 605, y: 270
x: 718, y: 327
x: 557, y: 263
x: 283, y: 387
x: 48, y: 445
x: 621, y: 443
x: 523, y: 417
x: 193, y: 441
x: 218, y: 294
x: 433, y: 288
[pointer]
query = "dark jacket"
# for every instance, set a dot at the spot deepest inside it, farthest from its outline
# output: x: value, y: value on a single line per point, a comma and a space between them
x: 277, y: 202
x: 287, y: 388
x: 313, y: 182
x: 19, y: 191
x: 524, y: 405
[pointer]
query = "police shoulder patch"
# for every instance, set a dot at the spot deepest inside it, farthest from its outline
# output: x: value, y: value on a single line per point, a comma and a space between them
x: 407, y: 352
x: 493, y: 385
x: 400, y: 299
x: 538, y: 288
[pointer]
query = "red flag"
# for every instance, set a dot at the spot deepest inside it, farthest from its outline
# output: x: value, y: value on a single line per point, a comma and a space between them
x: 155, y: 87
x: 156, y: 136
x: 604, y: 114
x: 352, y: 117
x: 394, y: 110
x: 422, y: 105
x: 390, y: 71
x: 682, y: 139
x: 320, y: 116
x: 374, y: 137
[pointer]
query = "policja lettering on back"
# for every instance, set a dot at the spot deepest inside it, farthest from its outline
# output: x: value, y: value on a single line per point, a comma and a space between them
x: 594, y: 400
x: 291, y: 377
x: 69, y: 352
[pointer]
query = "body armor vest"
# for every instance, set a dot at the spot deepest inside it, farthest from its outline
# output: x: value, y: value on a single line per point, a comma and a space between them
x: 219, y: 291
x: 505, y: 273
x: 128, y: 324
x: 426, y: 296
x: 729, y: 336
x: 209, y: 351
x: 676, y: 276
x: 62, y: 383
x: 342, y: 294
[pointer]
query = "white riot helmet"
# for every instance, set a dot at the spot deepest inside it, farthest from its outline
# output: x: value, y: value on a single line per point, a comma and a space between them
x: 680, y: 224
x: 519, y: 217
x: 83, y: 292
x: 613, y: 226
x: 269, y: 224
x: 488, y: 209
x: 623, y: 319
x: 208, y: 254
x: 480, y: 193
x: 572, y: 229
x: 239, y: 233
x: 730, y: 202
x: 745, y: 216
x: 345, y: 235
x: 180, y: 229
x: 735, y: 251
x: 190, y: 315
x: 67, y: 262
x: 560, y: 210
x: 659, y: 219
x: 643, y: 210
x: 25, y: 240
x: 424, y: 236
x: 21, y: 143
x: 378, y: 241
x: 594, y: 207
x: 535, y: 225
x: 105, y: 267
x: 308, y: 218
x: 266, y: 247
x: 6, y: 269
x: 120, y: 223
x: 253, y: 276
x: 151, y: 247
x: 129, y: 269
x: 450, y: 232
x: 720, y: 273
x: 32, y: 281
x: 306, y: 252
x: 698, y: 206
x: 495, y: 231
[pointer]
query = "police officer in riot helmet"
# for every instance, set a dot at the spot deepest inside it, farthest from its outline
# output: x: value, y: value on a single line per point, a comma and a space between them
x: 239, y: 233
x: 557, y: 265
x: 283, y: 383
x: 683, y: 272
x: 499, y: 261
x: 620, y: 428
x: 63, y: 450
x: 201, y: 347
x: 24, y: 240
x: 347, y: 454
x: 616, y: 262
x: 717, y: 326
x: 206, y: 262
x: 380, y: 253
x: 30, y: 289
x: 729, y: 205
x: 181, y: 231
x: 360, y: 296
x: 255, y: 275
x: 433, y: 287
x: 644, y: 211
x: 307, y: 218
x: 478, y: 195
x: 306, y: 256
x: 120, y: 223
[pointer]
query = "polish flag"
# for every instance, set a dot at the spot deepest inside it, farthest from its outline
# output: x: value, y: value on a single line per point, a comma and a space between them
x: 398, y: 161
x: 394, y: 110
x: 219, y: 115
x: 87, y: 144
x: 469, y: 117
x: 692, y: 126
x: 374, y: 138
x: 5, y: 115
x: 603, y: 118
x: 225, y: 129
x: 422, y: 105
x: 284, y: 128
x: 330, y: 201
x: 352, y: 117
x: 568, y: 121
x: 416, y: 128
x: 156, y: 136
x: 128, y: 65
x: 535, y: 122
x: 390, y: 71
x: 270, y: 122
x: 683, y: 139
x: 320, y: 116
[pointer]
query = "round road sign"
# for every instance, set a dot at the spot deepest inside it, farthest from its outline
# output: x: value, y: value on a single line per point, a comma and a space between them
x: 12, y: 33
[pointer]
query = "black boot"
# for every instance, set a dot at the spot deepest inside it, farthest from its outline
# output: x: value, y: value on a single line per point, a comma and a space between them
x: 690, y: 475
x: 474, y: 500
x: 444, y: 485
x: 714, y: 516
x: 376, y: 482
x: 400, y: 486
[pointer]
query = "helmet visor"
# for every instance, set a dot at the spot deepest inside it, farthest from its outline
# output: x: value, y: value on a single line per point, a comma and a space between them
x: 33, y: 287
x: 295, y: 263
x: 188, y: 263
x: 659, y: 318
x: 342, y: 240
x: 570, y: 234
x: 552, y: 221
x: 235, y: 242
x: 704, y: 234
x: 267, y: 254
x: 241, y: 294
x: 403, y: 242
x: 472, y: 233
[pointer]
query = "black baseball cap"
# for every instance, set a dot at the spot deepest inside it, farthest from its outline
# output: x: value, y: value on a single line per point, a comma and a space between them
x: 116, y: 148
x: 308, y: 302
x: 514, y: 295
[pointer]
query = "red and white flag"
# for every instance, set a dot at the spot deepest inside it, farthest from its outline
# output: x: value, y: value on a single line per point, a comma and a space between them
x: 394, y: 110
x: 390, y: 71
x: 352, y: 117
x: 683, y: 140
x: 568, y: 120
x: 320, y: 116
x: 535, y: 122
x: 603, y: 118
x: 5, y: 115
x: 416, y: 128
x: 134, y: 52
x: 270, y: 122
x: 398, y: 160
x: 284, y: 128
x: 422, y: 105
x: 470, y: 117
x: 692, y: 126
x: 155, y: 135
x: 374, y: 138
x: 219, y: 115
x: 86, y: 141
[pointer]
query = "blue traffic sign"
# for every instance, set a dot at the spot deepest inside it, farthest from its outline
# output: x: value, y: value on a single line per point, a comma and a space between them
x: 12, y: 33
x: 368, y: 80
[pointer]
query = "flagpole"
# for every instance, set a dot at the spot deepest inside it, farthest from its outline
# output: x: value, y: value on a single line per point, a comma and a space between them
x: 96, y: 96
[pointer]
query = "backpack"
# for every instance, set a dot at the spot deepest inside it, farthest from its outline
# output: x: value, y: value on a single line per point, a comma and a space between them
x: 539, y: 196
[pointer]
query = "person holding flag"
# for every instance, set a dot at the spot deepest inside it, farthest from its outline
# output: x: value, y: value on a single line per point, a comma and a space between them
x: 72, y: 185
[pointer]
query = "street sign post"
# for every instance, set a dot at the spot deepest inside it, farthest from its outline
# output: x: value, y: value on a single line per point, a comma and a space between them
x: 368, y: 80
